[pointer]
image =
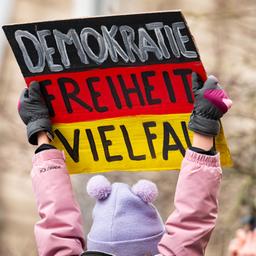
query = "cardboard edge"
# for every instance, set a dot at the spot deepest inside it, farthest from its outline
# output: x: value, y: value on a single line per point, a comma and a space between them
x: 96, y: 16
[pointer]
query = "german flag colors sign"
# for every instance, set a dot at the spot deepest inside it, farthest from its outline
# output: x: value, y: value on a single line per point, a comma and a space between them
x: 118, y: 88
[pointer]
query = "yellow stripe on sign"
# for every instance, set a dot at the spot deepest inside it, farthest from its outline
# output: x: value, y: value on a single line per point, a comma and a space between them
x: 132, y: 143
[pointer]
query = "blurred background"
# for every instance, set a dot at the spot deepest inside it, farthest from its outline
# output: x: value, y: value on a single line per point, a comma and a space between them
x: 225, y: 34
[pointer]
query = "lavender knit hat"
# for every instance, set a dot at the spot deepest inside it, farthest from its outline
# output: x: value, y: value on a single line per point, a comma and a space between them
x: 125, y: 223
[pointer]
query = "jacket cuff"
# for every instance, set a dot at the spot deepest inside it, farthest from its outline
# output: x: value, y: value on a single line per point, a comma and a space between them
x: 202, y: 159
x: 44, y: 147
x: 210, y: 152
x: 48, y: 155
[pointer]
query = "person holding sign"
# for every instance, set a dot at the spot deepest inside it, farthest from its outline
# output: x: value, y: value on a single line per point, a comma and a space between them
x: 187, y: 230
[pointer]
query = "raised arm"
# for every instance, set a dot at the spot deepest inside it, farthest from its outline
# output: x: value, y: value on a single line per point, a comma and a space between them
x: 59, y: 230
x: 189, y: 227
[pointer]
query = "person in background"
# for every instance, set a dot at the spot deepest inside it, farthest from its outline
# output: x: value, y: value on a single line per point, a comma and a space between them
x: 125, y: 223
x: 244, y: 243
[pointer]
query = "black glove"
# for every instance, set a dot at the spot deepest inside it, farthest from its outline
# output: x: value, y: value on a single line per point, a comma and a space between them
x: 211, y: 103
x: 33, y: 112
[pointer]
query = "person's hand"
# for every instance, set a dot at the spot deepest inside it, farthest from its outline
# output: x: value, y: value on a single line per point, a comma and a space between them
x: 33, y: 112
x: 211, y: 103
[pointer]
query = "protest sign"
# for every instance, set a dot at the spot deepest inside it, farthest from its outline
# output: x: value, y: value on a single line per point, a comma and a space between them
x: 118, y: 88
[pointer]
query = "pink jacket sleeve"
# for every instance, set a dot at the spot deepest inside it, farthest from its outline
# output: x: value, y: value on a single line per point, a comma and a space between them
x: 189, y: 227
x: 60, y: 231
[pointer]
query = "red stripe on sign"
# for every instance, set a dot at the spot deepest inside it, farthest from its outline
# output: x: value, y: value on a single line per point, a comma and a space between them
x: 121, y: 91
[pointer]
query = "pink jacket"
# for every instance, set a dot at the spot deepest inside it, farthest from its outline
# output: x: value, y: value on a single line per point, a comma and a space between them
x: 60, y: 231
x: 188, y: 229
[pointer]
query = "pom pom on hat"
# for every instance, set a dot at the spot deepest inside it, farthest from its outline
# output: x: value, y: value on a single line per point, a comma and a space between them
x: 146, y: 190
x: 99, y: 187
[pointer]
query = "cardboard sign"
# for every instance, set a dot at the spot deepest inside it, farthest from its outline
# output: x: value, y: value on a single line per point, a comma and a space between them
x: 118, y: 88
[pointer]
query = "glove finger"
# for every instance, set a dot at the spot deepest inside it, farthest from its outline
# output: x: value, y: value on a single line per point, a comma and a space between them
x: 23, y: 96
x: 228, y: 102
x: 218, y: 98
x: 197, y: 82
x: 34, y: 91
x: 212, y: 83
